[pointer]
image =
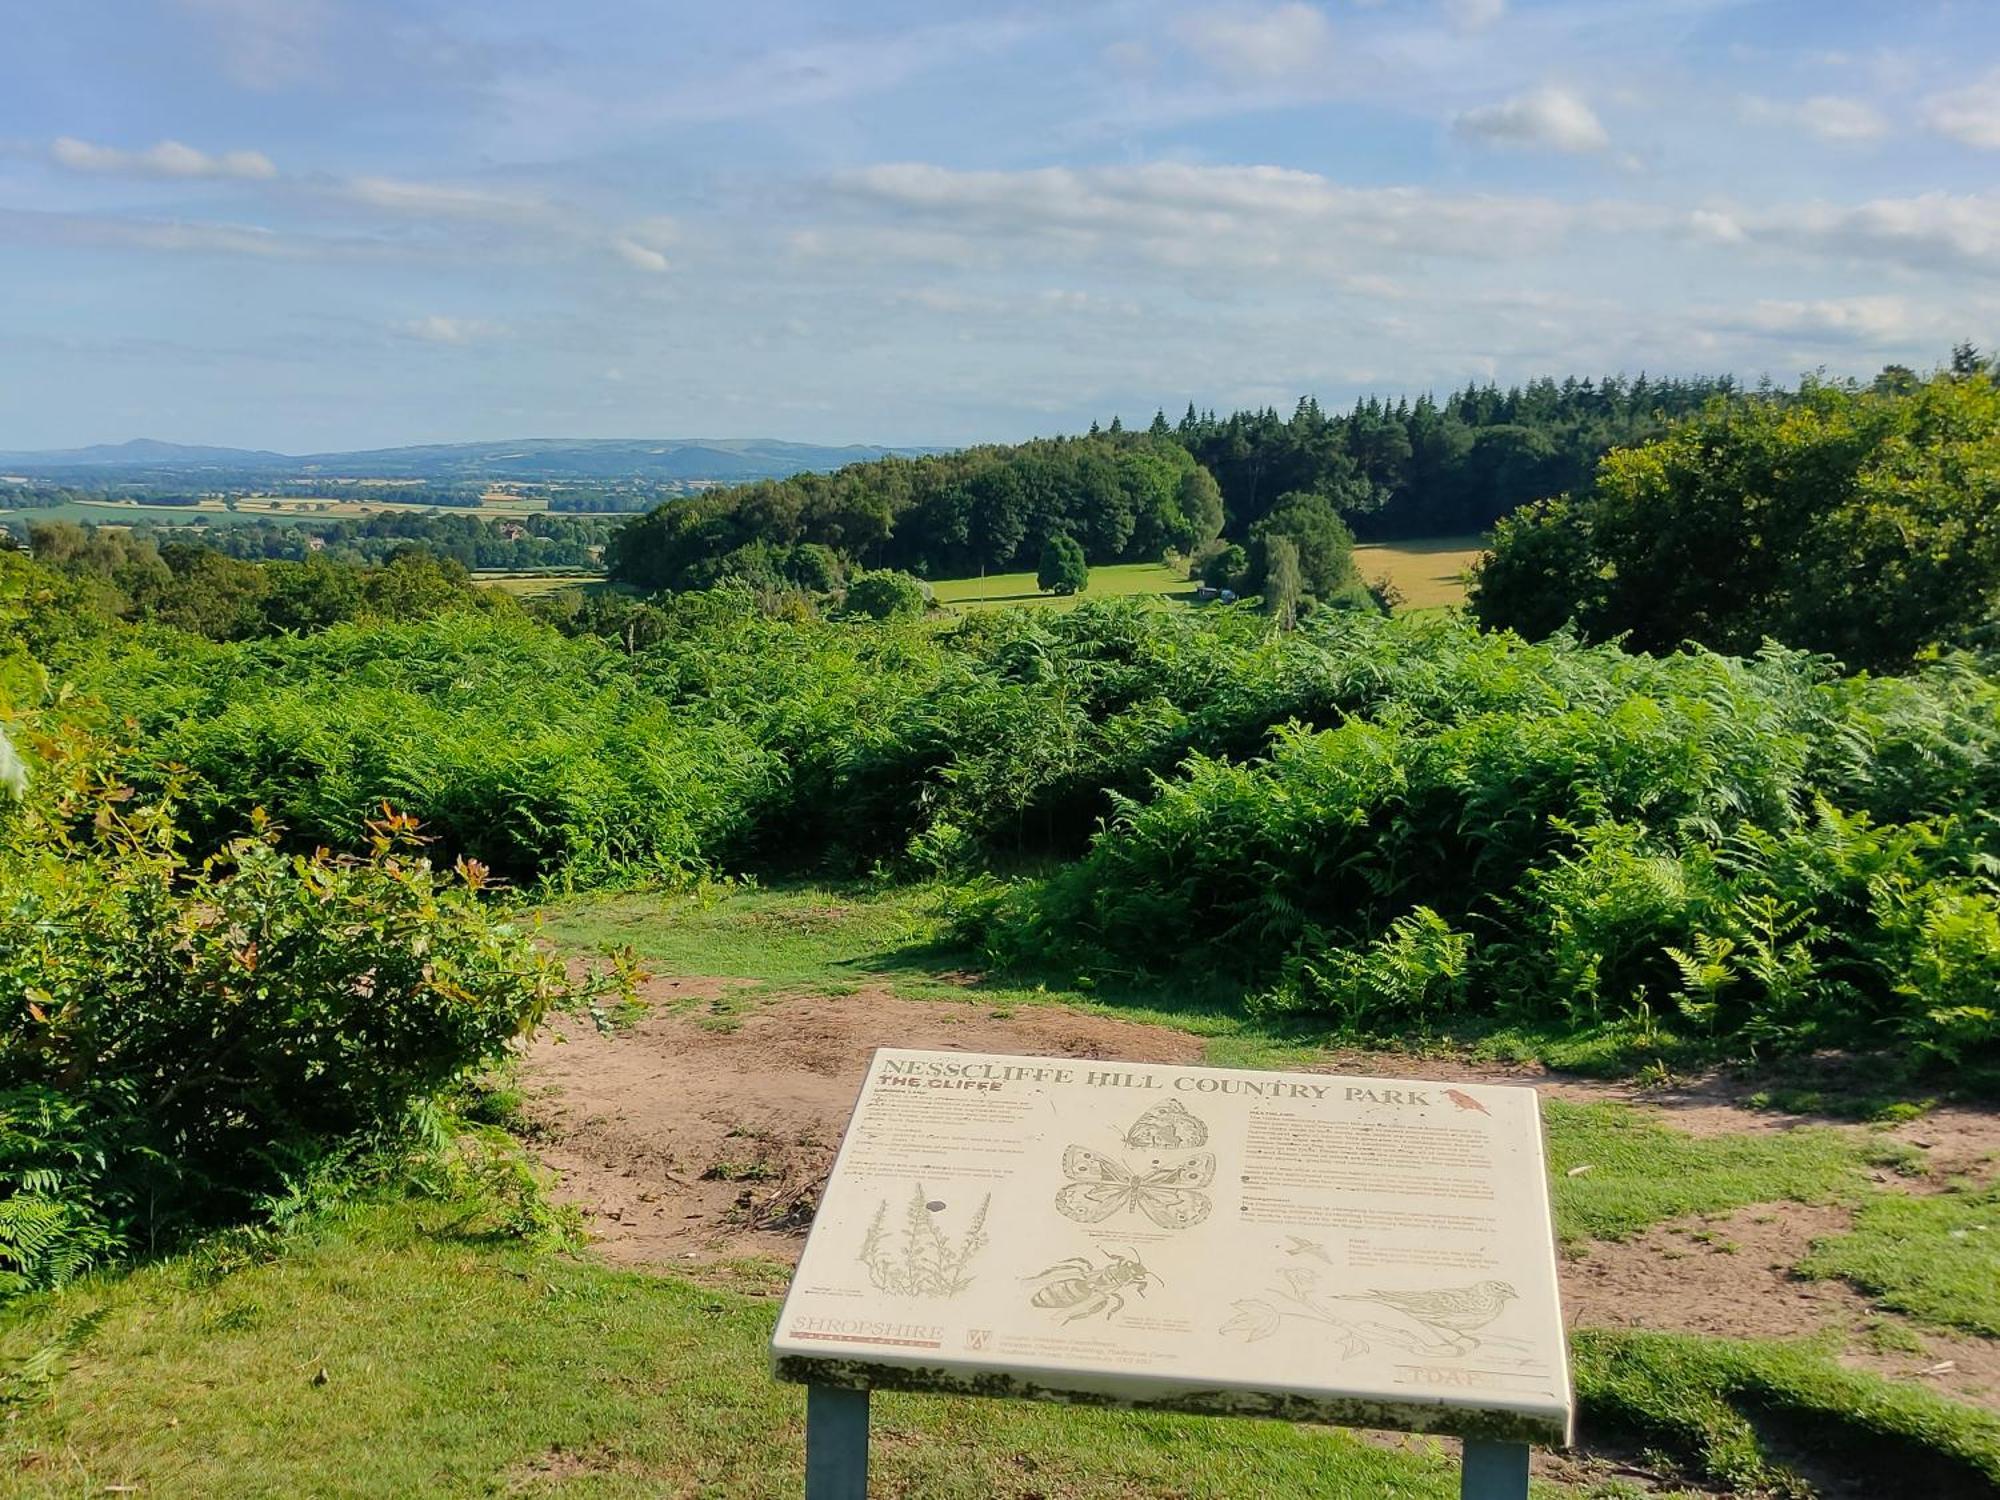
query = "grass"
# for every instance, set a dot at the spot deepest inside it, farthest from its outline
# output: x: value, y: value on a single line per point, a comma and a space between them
x: 1936, y: 1258
x: 1109, y: 582
x: 534, y: 585
x: 1426, y: 572
x: 131, y: 513
x: 392, y: 1354
x: 1642, y: 1172
x: 1734, y: 1410
x: 837, y: 939
x: 500, y: 1367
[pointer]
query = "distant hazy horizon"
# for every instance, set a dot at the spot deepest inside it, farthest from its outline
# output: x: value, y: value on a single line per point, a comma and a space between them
x: 335, y: 225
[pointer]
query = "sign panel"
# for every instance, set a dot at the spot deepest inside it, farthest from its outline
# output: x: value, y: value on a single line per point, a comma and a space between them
x: 1367, y: 1251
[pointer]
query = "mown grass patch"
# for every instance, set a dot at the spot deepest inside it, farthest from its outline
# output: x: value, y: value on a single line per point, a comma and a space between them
x: 389, y: 1355
x: 1767, y: 1415
x: 1112, y: 581
x: 393, y: 1350
x: 836, y: 939
x: 1641, y: 1171
x: 1935, y: 1257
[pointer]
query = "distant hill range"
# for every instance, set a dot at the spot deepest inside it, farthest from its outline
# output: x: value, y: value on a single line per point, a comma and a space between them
x: 690, y: 460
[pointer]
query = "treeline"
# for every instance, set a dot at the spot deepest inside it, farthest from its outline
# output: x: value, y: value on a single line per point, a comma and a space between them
x: 475, y: 542
x: 43, y: 496
x: 1433, y: 468
x: 1404, y: 469
x: 989, y: 509
x: 101, y: 577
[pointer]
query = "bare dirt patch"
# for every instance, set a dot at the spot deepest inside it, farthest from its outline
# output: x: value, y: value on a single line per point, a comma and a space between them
x: 696, y: 1137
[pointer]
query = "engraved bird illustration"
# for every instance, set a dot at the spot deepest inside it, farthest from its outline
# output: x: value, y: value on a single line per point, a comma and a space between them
x: 1465, y: 1101
x: 1303, y: 1246
x: 1457, y: 1310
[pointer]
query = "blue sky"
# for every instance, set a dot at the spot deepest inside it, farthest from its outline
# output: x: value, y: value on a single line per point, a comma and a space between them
x: 313, y: 224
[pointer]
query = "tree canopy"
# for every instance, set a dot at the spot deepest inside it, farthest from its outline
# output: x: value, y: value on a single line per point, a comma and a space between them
x: 1864, y: 523
x: 1063, y: 569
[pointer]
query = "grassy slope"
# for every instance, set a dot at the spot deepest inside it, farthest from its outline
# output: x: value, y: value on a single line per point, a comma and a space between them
x: 1427, y: 572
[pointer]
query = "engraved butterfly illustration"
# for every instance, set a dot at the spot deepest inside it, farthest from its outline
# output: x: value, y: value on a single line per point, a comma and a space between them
x: 1100, y: 1187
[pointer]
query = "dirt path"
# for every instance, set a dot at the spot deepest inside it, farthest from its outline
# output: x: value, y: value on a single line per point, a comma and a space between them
x: 699, y: 1139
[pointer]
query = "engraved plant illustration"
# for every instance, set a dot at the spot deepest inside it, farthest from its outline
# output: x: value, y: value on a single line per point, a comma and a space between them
x: 1083, y: 1288
x: 920, y: 1260
x: 1438, y: 1322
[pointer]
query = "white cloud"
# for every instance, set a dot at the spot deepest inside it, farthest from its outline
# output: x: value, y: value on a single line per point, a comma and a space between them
x: 1551, y: 119
x: 643, y: 246
x: 639, y: 257
x: 1474, y: 15
x: 1716, y: 225
x: 437, y: 199
x: 1831, y: 117
x: 1930, y: 232
x: 166, y: 159
x: 1864, y: 320
x: 1182, y: 215
x: 436, y: 328
x: 1970, y: 114
x: 1267, y: 43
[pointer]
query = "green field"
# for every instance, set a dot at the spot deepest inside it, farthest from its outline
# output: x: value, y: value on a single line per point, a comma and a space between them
x: 1112, y: 581
x: 534, y: 585
x: 1426, y: 572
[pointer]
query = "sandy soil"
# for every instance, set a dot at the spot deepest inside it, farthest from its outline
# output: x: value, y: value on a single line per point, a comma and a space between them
x: 698, y: 1139
x: 693, y: 1138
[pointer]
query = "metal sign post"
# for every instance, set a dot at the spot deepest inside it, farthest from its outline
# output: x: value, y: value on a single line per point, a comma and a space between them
x: 837, y: 1453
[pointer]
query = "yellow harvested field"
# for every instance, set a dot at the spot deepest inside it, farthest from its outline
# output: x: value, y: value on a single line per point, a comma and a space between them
x: 1426, y: 572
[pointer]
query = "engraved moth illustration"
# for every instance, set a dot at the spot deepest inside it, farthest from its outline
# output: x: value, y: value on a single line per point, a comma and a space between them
x: 1099, y: 1187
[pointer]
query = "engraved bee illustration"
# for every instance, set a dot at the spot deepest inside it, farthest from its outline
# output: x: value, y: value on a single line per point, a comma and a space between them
x: 1167, y: 1127
x: 1087, y: 1289
x: 1171, y: 1196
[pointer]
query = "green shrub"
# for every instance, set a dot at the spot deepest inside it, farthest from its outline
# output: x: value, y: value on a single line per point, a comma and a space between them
x: 886, y: 595
x: 1062, y: 569
x: 181, y: 1040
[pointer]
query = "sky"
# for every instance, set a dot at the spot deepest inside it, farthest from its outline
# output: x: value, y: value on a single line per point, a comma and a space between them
x: 322, y: 224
